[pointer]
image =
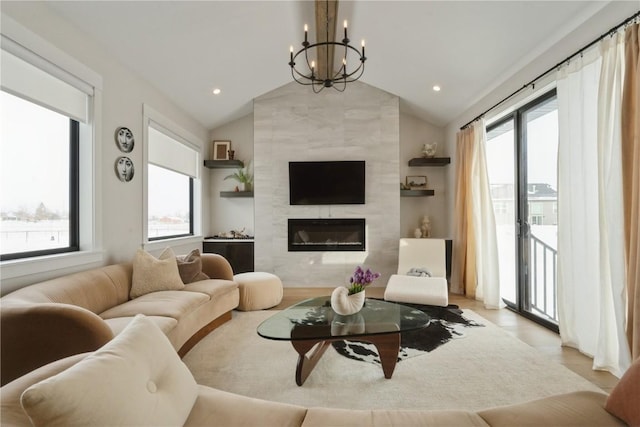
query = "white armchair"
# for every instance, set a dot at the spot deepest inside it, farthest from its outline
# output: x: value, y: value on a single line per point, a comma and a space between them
x: 418, y: 255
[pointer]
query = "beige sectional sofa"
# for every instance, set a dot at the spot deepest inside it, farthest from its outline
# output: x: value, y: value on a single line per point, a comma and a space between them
x: 150, y: 386
x: 83, y: 311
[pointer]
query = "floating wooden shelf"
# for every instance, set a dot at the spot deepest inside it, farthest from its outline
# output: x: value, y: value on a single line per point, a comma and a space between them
x: 236, y: 194
x: 220, y: 164
x: 416, y: 193
x: 430, y: 161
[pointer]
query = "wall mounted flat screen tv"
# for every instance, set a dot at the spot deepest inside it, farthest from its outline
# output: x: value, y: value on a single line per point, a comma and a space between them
x: 327, y: 183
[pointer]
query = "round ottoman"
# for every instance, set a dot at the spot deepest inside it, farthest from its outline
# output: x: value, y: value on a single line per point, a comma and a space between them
x: 258, y: 290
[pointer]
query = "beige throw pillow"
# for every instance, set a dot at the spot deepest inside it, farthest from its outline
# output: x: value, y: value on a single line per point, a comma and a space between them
x: 152, y: 274
x: 136, y: 379
x: 624, y: 400
x: 190, y: 267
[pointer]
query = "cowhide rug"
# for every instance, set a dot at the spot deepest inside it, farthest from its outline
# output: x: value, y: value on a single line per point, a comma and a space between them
x: 446, y: 323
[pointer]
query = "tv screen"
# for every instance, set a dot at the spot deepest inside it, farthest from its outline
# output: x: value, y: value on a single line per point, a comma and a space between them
x: 327, y: 183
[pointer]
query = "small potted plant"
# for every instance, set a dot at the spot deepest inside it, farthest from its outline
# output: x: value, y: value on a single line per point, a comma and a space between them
x: 243, y: 176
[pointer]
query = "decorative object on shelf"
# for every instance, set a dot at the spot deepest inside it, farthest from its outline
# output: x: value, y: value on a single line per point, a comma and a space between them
x: 425, y: 227
x: 417, y: 233
x: 346, y: 301
x: 231, y: 153
x: 221, y: 150
x: 124, y: 169
x: 429, y: 150
x: 416, y: 182
x: 243, y: 176
x: 233, y: 234
x: 403, y: 186
x: 124, y: 139
x: 323, y: 73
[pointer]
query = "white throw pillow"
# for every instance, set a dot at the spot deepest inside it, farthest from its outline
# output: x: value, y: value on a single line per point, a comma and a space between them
x: 152, y: 274
x: 136, y: 379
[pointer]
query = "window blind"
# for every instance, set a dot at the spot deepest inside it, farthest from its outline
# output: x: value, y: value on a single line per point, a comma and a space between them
x: 167, y: 152
x: 33, y: 84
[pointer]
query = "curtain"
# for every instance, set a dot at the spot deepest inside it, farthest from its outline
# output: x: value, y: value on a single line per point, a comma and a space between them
x: 463, y: 274
x: 591, y: 270
x: 631, y: 182
x: 615, y: 354
x: 476, y: 262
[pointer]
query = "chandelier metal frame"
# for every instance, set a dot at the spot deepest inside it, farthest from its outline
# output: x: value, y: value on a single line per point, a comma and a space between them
x: 337, y: 80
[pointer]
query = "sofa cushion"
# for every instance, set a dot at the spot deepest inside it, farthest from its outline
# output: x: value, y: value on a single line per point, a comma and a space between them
x: 319, y: 417
x: 212, y: 287
x: 174, y: 304
x: 580, y: 408
x: 220, y: 408
x: 152, y: 274
x: 190, y: 267
x: 135, y: 379
x: 624, y: 400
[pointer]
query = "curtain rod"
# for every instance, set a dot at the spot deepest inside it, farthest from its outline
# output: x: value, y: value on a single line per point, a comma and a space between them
x: 532, y: 82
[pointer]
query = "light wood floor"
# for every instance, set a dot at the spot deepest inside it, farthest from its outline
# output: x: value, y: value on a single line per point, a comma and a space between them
x: 536, y: 336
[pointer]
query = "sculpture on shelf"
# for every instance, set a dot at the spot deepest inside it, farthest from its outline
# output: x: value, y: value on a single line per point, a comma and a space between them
x: 417, y: 233
x: 425, y: 226
x: 429, y: 150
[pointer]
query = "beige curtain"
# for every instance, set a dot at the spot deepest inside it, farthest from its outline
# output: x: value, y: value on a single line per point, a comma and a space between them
x: 631, y: 182
x: 463, y: 280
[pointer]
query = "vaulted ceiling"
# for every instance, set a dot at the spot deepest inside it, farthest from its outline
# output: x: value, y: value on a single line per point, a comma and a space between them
x: 186, y: 49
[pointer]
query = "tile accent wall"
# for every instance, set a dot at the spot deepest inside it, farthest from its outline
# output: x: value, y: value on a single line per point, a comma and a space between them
x: 292, y: 123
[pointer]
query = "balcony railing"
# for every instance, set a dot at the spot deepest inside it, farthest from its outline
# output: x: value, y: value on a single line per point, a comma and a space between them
x: 544, y: 279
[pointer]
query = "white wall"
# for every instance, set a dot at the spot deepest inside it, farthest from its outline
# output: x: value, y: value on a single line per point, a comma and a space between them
x: 237, y: 213
x: 413, y: 134
x: 232, y: 213
x: 292, y: 123
x: 123, y: 96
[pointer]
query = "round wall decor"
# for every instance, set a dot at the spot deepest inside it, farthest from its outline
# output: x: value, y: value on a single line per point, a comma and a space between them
x: 124, y: 169
x: 124, y: 139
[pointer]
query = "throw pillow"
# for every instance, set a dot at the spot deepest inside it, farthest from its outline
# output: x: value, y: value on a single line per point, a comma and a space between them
x: 152, y: 274
x: 190, y: 267
x: 624, y: 400
x: 135, y: 379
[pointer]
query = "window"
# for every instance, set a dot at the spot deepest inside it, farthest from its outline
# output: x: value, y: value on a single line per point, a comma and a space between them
x: 170, y: 204
x: 171, y: 176
x: 39, y: 185
x: 43, y: 117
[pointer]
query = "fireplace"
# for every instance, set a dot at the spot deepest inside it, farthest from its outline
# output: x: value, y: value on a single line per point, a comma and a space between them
x: 342, y: 234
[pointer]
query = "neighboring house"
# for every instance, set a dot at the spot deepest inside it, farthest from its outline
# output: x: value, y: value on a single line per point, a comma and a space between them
x: 542, y: 206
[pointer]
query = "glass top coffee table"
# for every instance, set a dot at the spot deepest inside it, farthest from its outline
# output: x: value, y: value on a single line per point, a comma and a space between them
x: 312, y: 323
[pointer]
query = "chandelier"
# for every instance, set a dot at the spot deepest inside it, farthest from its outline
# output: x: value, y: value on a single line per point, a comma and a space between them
x: 317, y: 59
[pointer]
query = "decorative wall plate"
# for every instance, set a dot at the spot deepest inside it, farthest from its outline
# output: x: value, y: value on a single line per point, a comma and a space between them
x: 124, y: 139
x: 124, y: 169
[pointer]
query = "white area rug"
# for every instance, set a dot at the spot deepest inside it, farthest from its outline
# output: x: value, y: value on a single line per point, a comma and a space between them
x: 487, y: 368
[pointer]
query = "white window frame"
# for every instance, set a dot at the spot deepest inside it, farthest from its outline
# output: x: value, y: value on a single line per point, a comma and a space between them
x: 40, y: 52
x: 185, y: 137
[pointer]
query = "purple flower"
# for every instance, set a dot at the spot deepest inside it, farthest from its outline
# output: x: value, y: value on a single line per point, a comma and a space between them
x: 361, y: 279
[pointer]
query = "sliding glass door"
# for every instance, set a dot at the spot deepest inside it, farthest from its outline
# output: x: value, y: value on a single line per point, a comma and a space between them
x: 522, y: 161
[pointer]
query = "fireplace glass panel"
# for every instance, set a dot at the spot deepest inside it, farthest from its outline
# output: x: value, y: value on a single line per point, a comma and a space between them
x: 326, y: 234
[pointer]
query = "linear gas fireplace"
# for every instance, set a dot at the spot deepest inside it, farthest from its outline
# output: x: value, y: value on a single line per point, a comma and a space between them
x: 326, y: 234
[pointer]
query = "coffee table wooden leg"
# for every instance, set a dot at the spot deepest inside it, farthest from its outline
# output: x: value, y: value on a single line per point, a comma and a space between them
x: 306, y: 364
x: 388, y: 346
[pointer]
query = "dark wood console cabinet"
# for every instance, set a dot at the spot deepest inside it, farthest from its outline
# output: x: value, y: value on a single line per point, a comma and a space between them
x: 238, y: 252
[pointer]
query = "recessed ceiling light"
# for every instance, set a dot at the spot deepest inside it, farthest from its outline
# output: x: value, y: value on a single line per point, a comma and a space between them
x: 436, y: 88
x: 216, y: 91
